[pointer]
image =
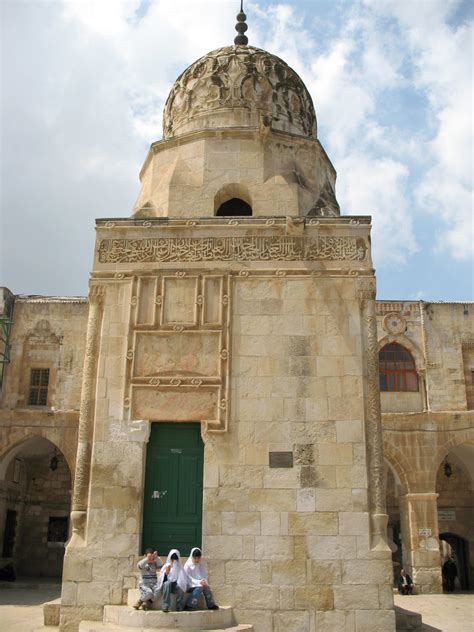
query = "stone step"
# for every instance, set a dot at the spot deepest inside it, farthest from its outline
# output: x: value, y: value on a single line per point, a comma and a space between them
x: 51, y: 612
x: 134, y: 593
x: 406, y: 620
x: 98, y: 626
x: 198, y: 620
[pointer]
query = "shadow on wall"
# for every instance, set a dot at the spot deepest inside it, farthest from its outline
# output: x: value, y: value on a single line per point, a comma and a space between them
x: 35, y: 501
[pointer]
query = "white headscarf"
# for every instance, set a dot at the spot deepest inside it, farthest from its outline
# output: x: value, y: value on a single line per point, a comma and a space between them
x: 176, y: 574
x: 195, y: 572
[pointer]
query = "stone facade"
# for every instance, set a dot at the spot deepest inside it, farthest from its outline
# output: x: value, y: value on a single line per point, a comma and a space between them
x: 426, y: 429
x: 417, y: 442
x: 44, y: 333
x: 266, y: 332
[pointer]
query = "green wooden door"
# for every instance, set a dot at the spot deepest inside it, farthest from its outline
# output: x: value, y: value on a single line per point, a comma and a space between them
x: 172, y: 512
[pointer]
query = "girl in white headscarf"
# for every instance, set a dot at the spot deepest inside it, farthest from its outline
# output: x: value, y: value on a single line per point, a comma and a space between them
x: 172, y: 579
x: 196, y: 573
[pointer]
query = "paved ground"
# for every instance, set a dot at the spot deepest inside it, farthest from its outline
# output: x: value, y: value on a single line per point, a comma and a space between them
x: 21, y: 608
x: 21, y: 605
x: 442, y: 613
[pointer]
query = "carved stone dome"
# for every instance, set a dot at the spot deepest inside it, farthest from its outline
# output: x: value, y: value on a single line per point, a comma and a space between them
x: 239, y: 86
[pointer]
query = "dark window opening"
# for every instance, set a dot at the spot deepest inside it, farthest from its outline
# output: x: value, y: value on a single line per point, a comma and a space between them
x: 39, y: 381
x: 57, y: 529
x: 234, y: 208
x: 9, y: 533
x: 397, y: 370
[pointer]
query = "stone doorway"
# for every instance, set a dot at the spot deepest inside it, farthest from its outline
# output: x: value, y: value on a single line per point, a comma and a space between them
x: 394, y: 533
x: 459, y: 549
x: 172, y: 512
x: 35, y: 503
x: 455, y: 488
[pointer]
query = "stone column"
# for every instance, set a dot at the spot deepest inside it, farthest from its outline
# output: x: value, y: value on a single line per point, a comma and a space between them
x: 86, y: 416
x: 373, y: 422
x: 421, y: 555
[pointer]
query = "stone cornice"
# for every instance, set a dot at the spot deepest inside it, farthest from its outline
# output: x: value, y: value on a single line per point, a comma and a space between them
x: 428, y: 421
x: 37, y: 418
x: 354, y: 221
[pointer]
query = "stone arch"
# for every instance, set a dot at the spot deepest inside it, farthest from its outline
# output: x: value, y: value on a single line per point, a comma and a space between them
x: 412, y: 347
x: 36, y: 487
x: 53, y: 435
x: 231, y: 191
x: 459, y: 439
x: 454, y: 484
x: 407, y: 400
x: 398, y: 464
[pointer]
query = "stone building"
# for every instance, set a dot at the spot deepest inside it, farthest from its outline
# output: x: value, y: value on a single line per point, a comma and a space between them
x: 219, y: 387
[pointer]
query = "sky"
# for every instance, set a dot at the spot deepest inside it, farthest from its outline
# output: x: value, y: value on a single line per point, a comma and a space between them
x: 83, y: 86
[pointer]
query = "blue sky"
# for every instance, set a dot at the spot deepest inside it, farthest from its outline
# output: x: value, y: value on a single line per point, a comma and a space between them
x: 84, y: 83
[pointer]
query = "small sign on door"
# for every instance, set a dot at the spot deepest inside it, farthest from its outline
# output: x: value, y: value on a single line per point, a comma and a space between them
x: 157, y: 494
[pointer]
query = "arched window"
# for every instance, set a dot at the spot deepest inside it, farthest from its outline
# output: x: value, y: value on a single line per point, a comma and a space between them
x: 234, y: 208
x: 397, y: 370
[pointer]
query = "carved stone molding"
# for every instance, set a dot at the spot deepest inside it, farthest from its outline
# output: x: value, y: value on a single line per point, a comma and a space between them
x: 179, y: 349
x: 366, y: 290
x: 96, y: 294
x: 241, y: 77
x: 139, y: 431
x: 248, y: 248
x: 87, y: 405
x: 372, y: 412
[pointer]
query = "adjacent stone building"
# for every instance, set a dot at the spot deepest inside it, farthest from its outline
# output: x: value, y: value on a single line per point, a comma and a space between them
x: 220, y: 386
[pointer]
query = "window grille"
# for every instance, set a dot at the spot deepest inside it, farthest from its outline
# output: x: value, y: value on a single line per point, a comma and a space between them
x: 39, y: 381
x: 397, y: 370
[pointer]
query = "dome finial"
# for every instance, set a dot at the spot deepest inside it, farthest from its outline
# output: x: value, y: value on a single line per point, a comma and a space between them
x: 241, y: 27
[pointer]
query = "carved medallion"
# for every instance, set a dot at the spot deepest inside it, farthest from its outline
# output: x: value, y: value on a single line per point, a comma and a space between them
x: 394, y: 323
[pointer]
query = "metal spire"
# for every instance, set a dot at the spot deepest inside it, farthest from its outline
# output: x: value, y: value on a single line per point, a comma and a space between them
x: 241, y: 27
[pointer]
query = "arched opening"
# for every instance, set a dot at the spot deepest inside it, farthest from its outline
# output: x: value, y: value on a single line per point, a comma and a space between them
x: 455, y: 489
x: 397, y: 370
x: 400, y: 386
x: 455, y: 565
x: 35, y: 503
x: 235, y: 207
x: 394, y: 534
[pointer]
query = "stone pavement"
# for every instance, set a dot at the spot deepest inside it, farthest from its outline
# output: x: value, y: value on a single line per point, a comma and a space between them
x: 441, y: 613
x: 21, y: 608
x: 21, y: 604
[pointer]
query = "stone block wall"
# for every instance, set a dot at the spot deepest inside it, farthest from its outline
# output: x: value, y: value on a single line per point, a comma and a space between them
x: 264, y: 344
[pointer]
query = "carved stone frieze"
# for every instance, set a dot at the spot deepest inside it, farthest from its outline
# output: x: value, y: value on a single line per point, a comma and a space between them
x: 248, y: 248
x: 242, y: 77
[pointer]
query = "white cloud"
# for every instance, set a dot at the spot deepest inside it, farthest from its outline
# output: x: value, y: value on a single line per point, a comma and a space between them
x: 441, y: 57
x: 377, y: 187
x: 85, y: 84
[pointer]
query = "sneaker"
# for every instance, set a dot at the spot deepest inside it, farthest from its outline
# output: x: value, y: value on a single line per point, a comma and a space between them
x: 166, y: 609
x: 137, y: 605
x: 214, y: 607
x: 188, y: 609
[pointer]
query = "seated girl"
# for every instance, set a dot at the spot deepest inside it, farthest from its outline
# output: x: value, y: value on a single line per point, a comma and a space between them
x: 172, y: 579
x: 196, y: 574
x: 148, y: 567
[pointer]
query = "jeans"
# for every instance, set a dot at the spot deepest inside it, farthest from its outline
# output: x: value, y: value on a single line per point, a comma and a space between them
x: 167, y: 589
x: 196, y: 593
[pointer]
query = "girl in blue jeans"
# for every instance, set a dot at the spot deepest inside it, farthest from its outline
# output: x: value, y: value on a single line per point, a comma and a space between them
x: 172, y: 579
x: 196, y: 574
